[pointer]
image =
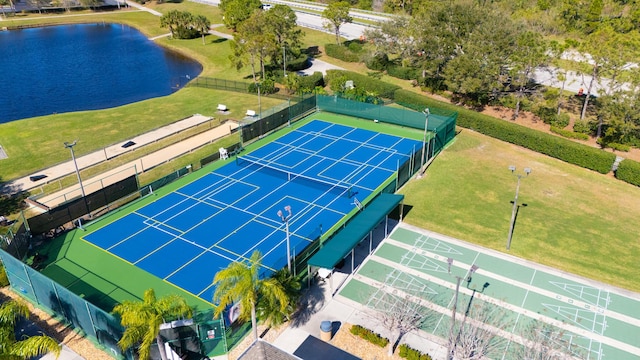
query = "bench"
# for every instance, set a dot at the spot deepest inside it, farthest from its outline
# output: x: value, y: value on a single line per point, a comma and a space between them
x: 251, y: 113
x: 222, y: 107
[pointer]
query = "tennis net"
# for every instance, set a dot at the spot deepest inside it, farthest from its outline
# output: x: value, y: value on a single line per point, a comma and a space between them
x: 340, y: 188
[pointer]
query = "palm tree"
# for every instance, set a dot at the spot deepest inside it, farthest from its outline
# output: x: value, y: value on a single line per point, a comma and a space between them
x: 202, y: 24
x: 268, y: 309
x: 240, y: 282
x: 142, y: 320
x: 10, y: 347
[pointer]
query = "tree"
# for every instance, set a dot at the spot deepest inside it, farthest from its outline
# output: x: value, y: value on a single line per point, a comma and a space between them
x: 337, y: 14
x: 399, y: 314
x: 254, y: 43
x: 281, y: 22
x: 542, y: 341
x: 202, y: 24
x: 610, y: 53
x: 10, y: 348
x: 268, y: 308
x: 235, y: 12
x: 142, y: 320
x: 476, y: 73
x: 476, y: 335
x: 240, y: 282
x: 180, y: 24
x: 529, y: 53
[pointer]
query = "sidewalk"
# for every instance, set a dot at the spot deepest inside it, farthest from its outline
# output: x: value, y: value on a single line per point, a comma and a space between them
x: 139, y: 165
x: 66, y: 168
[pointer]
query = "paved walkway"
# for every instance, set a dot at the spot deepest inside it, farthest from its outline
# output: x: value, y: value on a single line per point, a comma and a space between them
x: 66, y: 168
x: 140, y: 165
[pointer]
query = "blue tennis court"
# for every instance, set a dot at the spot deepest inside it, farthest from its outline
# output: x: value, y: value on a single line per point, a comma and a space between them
x: 321, y: 170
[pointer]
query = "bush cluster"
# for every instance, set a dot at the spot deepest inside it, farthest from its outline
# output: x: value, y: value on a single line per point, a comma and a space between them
x: 405, y: 352
x: 369, y: 335
x: 405, y: 73
x: 569, y: 134
x: 308, y: 83
x: 341, y: 52
x: 4, y: 280
x: 300, y: 63
x: 559, y: 148
x: 629, y: 171
x: 378, y: 61
x: 267, y: 86
x: 378, y: 87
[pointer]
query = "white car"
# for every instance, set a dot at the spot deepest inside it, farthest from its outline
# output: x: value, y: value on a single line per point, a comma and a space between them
x: 266, y: 6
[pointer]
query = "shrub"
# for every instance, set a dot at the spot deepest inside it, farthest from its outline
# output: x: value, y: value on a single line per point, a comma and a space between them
x: 561, y: 121
x: 369, y: 335
x: 546, y: 113
x: 4, y: 281
x: 367, y: 83
x: 582, y: 126
x: 308, y: 83
x: 405, y: 73
x: 342, y: 53
x: 378, y: 61
x: 267, y: 86
x: 508, y: 101
x: 354, y: 46
x: 569, y: 134
x: 629, y: 171
x: 559, y: 148
x: 405, y: 352
x: 300, y: 63
x: 615, y: 146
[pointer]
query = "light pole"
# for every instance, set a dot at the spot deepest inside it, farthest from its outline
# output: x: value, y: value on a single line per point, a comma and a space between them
x: 527, y: 171
x: 284, y: 61
x: 75, y: 163
x: 285, y: 219
x: 472, y: 269
x: 424, y: 140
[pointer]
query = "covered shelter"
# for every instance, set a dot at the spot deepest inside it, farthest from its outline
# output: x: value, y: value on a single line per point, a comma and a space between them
x: 355, y: 231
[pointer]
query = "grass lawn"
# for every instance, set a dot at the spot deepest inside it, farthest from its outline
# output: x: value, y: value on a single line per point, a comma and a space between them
x: 575, y: 219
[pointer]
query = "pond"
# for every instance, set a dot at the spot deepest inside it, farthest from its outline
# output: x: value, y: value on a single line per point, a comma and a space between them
x: 56, y: 69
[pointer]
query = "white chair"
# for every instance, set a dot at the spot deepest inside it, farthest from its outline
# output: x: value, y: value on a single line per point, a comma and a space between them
x: 223, y: 153
x: 222, y: 107
x: 251, y: 113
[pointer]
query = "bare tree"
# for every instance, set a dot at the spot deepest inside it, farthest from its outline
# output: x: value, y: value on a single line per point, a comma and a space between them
x: 478, y: 334
x: 400, y: 311
x: 542, y: 341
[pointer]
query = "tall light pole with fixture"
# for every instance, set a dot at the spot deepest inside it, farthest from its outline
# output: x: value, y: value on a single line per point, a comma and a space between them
x: 75, y: 163
x: 527, y: 171
x: 284, y: 61
x: 285, y: 219
x: 424, y: 141
x: 470, y: 272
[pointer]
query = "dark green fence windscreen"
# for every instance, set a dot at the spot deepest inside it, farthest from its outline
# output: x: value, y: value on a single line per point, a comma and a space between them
x: 442, y: 123
x: 255, y: 129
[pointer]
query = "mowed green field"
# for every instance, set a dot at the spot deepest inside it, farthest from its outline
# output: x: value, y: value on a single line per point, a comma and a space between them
x: 575, y: 220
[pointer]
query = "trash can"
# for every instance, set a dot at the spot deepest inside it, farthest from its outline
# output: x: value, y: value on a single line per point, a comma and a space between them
x: 325, y: 330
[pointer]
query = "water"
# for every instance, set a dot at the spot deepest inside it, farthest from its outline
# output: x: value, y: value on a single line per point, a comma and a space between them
x: 68, y: 68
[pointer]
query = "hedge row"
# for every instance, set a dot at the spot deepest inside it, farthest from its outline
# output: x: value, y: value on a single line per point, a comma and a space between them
x: 300, y: 63
x: 405, y: 352
x: 629, y: 171
x: 341, y: 52
x: 569, y: 134
x: 379, y: 87
x: 559, y: 148
x: 369, y: 335
x: 310, y: 82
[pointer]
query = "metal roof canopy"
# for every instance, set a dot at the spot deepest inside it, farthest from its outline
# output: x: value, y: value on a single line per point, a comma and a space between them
x: 348, y: 238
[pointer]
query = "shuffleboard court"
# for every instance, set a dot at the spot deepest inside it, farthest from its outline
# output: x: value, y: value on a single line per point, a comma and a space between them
x: 596, y: 321
x: 321, y: 171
